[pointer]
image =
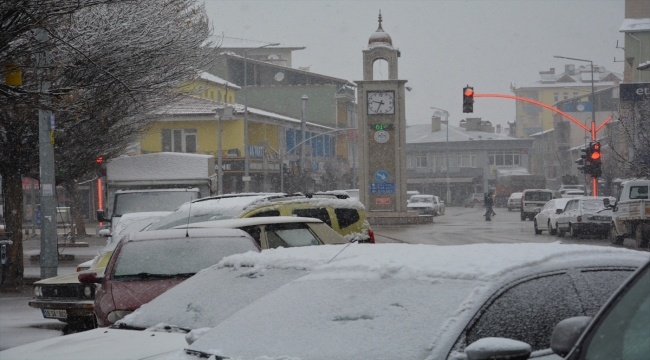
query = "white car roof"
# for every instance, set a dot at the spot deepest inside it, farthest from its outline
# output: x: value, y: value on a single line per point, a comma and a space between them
x: 156, y: 190
x: 179, y: 233
x: 236, y: 223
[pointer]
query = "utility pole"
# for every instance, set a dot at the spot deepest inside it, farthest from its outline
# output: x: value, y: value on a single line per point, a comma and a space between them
x: 303, y: 132
x: 49, y: 253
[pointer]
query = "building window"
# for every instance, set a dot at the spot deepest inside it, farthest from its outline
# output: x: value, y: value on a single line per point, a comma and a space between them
x: 509, y: 158
x: 179, y: 140
x: 466, y: 160
x: 575, y: 93
x: 565, y: 95
x: 556, y: 97
x: 421, y: 161
x: 219, y: 95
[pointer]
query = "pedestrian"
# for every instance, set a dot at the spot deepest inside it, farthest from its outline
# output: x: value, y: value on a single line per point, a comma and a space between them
x: 488, y: 204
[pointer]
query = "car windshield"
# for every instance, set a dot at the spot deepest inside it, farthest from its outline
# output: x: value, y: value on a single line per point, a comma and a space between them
x: 151, y: 201
x: 421, y: 199
x: 165, y: 258
x: 592, y: 205
x: 538, y: 196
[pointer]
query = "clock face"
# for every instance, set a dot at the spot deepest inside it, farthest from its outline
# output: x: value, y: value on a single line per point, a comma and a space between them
x: 381, y: 102
x: 279, y: 76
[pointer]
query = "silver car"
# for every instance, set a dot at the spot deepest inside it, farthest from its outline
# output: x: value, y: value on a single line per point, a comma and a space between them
x: 547, y: 216
x: 585, y: 215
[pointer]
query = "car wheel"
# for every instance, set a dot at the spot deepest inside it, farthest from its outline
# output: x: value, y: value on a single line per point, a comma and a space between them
x: 537, y: 231
x: 523, y: 217
x: 558, y: 230
x: 572, y: 231
x: 550, y: 228
x: 641, y: 236
x: 614, y: 237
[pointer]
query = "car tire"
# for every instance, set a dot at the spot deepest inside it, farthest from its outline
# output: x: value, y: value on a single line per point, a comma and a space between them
x: 537, y: 231
x: 614, y: 237
x: 550, y: 228
x: 558, y: 231
x: 641, y: 236
x: 573, y: 232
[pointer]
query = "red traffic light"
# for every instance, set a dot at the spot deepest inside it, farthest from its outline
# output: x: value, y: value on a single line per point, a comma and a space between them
x: 595, y: 155
x: 596, y: 146
x: 469, y: 92
x: 99, y: 160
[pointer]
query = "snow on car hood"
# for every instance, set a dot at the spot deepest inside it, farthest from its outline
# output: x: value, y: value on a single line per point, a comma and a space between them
x: 134, y: 222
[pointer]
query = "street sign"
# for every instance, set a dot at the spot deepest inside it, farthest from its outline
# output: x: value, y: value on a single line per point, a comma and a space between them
x: 381, y: 176
x: 635, y: 92
x: 382, y: 188
x: 382, y: 201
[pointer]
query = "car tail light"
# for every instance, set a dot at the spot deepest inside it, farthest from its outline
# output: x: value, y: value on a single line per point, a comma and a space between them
x: 372, y: 236
x: 579, y: 218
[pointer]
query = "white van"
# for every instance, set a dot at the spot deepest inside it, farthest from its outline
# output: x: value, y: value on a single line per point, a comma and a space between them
x: 534, y: 198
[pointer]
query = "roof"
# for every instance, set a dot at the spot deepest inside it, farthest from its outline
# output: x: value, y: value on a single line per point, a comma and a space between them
x: 182, y: 233
x: 196, y: 106
x: 635, y: 25
x: 581, y: 78
x: 227, y: 42
x: 542, y: 132
x: 421, y: 133
x: 217, y: 80
x: 236, y: 223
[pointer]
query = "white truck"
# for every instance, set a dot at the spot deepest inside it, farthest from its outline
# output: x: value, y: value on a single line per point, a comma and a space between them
x: 155, y: 182
x: 631, y: 213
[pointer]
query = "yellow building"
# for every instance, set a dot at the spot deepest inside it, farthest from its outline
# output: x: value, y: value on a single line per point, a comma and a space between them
x: 190, y: 125
x: 555, y: 87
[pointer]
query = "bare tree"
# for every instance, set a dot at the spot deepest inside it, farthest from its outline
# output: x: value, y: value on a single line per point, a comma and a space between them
x: 629, y: 140
x: 113, y: 63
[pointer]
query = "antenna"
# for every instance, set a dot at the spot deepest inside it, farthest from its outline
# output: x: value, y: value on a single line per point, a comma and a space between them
x: 187, y: 226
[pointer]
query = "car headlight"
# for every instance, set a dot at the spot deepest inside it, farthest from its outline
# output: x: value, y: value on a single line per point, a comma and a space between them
x: 37, y: 291
x: 117, y: 315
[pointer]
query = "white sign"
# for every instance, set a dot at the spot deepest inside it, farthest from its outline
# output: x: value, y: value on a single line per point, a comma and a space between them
x: 245, y: 178
x: 47, y: 189
x: 382, y: 136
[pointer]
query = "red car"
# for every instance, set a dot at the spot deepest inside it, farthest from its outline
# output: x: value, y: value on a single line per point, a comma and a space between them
x: 146, y: 264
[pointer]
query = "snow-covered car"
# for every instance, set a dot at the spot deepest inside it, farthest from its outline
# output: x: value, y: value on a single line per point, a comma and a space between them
x: 547, y: 216
x: 278, y: 231
x: 146, y: 264
x: 584, y: 215
x: 620, y: 329
x: 423, y: 204
x: 346, y: 216
x: 64, y: 298
x: 573, y: 193
x: 436, y: 300
x: 514, y: 201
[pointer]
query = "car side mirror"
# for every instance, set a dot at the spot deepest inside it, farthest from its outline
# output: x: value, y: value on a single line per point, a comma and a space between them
x: 89, y: 278
x: 559, y: 211
x: 567, y: 332
x: 495, y: 348
x: 537, y: 210
x: 100, y: 216
x: 606, y: 202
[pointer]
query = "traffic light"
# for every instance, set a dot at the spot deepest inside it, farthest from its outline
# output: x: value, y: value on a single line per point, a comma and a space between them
x: 595, y: 159
x: 583, y: 162
x: 468, y: 99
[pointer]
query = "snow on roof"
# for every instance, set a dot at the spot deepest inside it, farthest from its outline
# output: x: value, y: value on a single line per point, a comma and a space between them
x: 237, y: 223
x: 421, y: 133
x: 160, y: 166
x: 635, y: 25
x: 542, y: 132
x: 515, y: 171
x: 580, y: 78
x: 215, y: 79
x: 227, y: 42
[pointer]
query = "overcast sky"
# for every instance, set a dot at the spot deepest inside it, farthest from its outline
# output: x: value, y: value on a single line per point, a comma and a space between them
x: 445, y: 44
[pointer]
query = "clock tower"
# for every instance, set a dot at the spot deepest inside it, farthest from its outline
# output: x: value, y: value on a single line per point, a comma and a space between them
x: 382, y: 136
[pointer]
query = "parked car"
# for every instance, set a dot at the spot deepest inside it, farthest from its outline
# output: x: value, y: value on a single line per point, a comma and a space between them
x: 346, y: 216
x: 146, y: 264
x: 585, y: 215
x: 435, y: 300
x: 475, y: 199
x: 64, y: 298
x: 573, y: 193
x: 514, y: 201
x: 278, y: 231
x: 618, y: 331
x: 423, y: 204
x: 547, y: 216
x: 437, y: 311
x: 532, y: 199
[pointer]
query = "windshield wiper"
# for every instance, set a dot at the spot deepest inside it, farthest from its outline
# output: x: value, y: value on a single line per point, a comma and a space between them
x: 146, y: 275
x: 126, y: 327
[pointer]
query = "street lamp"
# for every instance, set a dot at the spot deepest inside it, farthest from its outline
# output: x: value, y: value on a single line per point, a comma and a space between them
x: 593, y: 109
x: 247, y: 178
x: 224, y: 113
x: 445, y: 113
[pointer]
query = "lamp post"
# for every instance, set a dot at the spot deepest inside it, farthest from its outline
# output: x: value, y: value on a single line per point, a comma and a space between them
x: 247, y: 178
x: 224, y: 113
x: 593, y: 110
x: 446, y: 114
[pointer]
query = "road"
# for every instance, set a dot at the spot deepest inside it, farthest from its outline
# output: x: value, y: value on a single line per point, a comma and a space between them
x: 20, y: 324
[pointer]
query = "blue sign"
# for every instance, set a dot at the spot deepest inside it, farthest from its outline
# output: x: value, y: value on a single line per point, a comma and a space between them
x: 382, y: 188
x: 577, y: 107
x: 381, y: 176
x: 38, y: 215
x: 256, y: 152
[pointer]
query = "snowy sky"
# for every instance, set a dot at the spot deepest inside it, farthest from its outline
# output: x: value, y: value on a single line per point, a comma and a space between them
x: 445, y: 44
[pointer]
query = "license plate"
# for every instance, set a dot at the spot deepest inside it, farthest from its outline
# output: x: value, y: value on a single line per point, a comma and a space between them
x: 54, y: 314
